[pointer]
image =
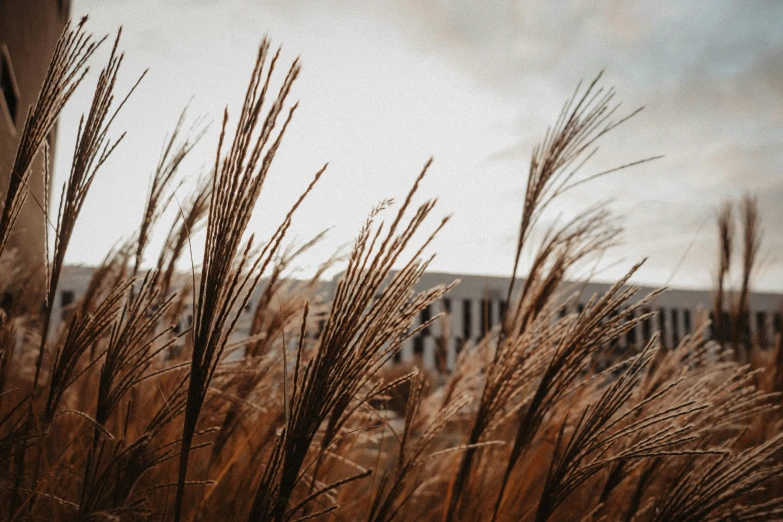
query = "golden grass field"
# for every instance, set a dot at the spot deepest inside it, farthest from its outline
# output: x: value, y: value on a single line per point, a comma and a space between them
x: 105, y: 419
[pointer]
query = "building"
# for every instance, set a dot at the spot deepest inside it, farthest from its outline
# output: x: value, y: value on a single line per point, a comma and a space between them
x: 475, y: 306
x: 29, y: 30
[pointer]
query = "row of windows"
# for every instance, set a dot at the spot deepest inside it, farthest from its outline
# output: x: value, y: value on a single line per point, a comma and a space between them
x: 488, y: 318
x: 673, y: 324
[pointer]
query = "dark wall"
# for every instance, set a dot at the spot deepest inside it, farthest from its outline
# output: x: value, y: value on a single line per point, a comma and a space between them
x: 29, y: 30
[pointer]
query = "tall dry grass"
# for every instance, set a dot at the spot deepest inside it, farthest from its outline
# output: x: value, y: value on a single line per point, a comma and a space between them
x: 123, y: 415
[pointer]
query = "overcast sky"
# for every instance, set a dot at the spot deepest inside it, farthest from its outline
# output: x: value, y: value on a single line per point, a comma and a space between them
x: 386, y: 85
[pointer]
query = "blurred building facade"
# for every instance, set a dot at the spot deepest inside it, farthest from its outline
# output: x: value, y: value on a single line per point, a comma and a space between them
x: 474, y: 307
x: 29, y: 30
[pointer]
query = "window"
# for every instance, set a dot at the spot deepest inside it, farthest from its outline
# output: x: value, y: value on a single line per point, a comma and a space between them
x: 66, y: 298
x: 490, y: 314
x: 725, y: 321
x: 745, y: 329
x: 503, y: 308
x: 761, y: 328
x: 486, y: 316
x: 675, y: 327
x: 467, y: 319
x: 662, y: 323
x: 8, y: 86
x: 424, y: 317
x: 686, y: 320
x: 630, y: 337
x: 617, y: 338
x: 646, y: 326
x: 447, y: 305
x: 418, y: 344
x: 446, y: 320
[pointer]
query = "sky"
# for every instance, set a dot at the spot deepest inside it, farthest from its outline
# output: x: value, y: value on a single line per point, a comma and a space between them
x: 386, y: 85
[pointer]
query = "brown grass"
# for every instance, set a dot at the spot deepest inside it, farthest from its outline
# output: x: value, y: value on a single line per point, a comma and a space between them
x: 121, y: 414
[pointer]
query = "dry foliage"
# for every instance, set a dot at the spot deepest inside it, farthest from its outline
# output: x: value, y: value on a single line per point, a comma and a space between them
x: 123, y: 415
